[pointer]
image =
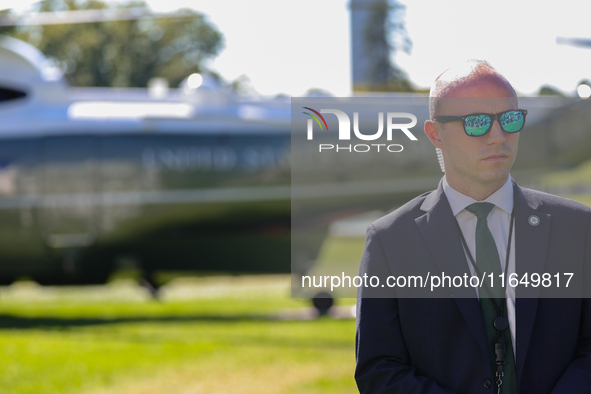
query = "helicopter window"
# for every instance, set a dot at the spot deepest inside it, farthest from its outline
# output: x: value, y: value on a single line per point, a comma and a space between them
x: 10, y: 94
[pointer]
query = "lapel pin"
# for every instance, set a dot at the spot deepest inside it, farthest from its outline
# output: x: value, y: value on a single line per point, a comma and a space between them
x: 533, y: 220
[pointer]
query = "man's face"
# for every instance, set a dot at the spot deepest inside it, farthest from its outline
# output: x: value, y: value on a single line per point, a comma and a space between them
x: 481, y: 160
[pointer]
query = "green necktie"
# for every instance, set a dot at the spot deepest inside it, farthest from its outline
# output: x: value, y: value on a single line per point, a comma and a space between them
x: 487, y: 260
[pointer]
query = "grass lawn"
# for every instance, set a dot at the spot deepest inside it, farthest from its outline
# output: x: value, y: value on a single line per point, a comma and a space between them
x: 207, y: 335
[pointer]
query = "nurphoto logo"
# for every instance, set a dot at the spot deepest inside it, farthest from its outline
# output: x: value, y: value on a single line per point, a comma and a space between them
x: 344, y: 131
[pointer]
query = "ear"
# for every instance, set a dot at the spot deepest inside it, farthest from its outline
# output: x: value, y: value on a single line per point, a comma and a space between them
x: 432, y: 132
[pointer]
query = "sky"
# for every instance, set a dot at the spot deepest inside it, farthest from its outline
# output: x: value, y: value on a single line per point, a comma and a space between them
x: 289, y: 47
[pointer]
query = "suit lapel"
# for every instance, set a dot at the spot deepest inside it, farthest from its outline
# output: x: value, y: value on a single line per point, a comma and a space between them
x: 531, y: 243
x: 440, y: 232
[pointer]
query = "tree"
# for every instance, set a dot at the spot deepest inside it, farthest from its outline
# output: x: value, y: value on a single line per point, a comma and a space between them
x: 124, y: 53
x: 548, y: 90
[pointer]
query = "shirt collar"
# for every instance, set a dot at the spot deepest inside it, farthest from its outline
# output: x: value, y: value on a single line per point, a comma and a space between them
x: 502, y: 198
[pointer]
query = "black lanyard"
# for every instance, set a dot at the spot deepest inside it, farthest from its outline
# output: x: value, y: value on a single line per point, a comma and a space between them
x: 500, y: 322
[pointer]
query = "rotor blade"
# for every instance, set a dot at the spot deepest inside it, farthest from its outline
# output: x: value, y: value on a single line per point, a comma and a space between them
x: 577, y: 42
x: 84, y: 16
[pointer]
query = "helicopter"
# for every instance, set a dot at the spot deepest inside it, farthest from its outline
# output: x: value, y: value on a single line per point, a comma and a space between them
x: 194, y: 179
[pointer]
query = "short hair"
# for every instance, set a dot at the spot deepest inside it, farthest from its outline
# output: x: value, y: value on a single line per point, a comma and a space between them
x: 458, y: 76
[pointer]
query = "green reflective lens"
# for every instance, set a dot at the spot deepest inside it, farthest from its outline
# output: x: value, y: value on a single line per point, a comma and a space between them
x: 512, y: 121
x: 477, y: 125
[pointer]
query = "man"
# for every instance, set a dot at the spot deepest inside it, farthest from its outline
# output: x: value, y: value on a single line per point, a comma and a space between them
x: 485, y: 339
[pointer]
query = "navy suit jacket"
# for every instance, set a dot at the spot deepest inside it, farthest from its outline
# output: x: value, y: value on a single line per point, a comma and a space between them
x: 438, y: 345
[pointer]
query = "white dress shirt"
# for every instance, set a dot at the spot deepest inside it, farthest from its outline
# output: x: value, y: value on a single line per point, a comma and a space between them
x: 498, y: 222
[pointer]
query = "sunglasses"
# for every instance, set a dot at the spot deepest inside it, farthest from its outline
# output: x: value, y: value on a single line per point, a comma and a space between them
x: 476, y: 125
